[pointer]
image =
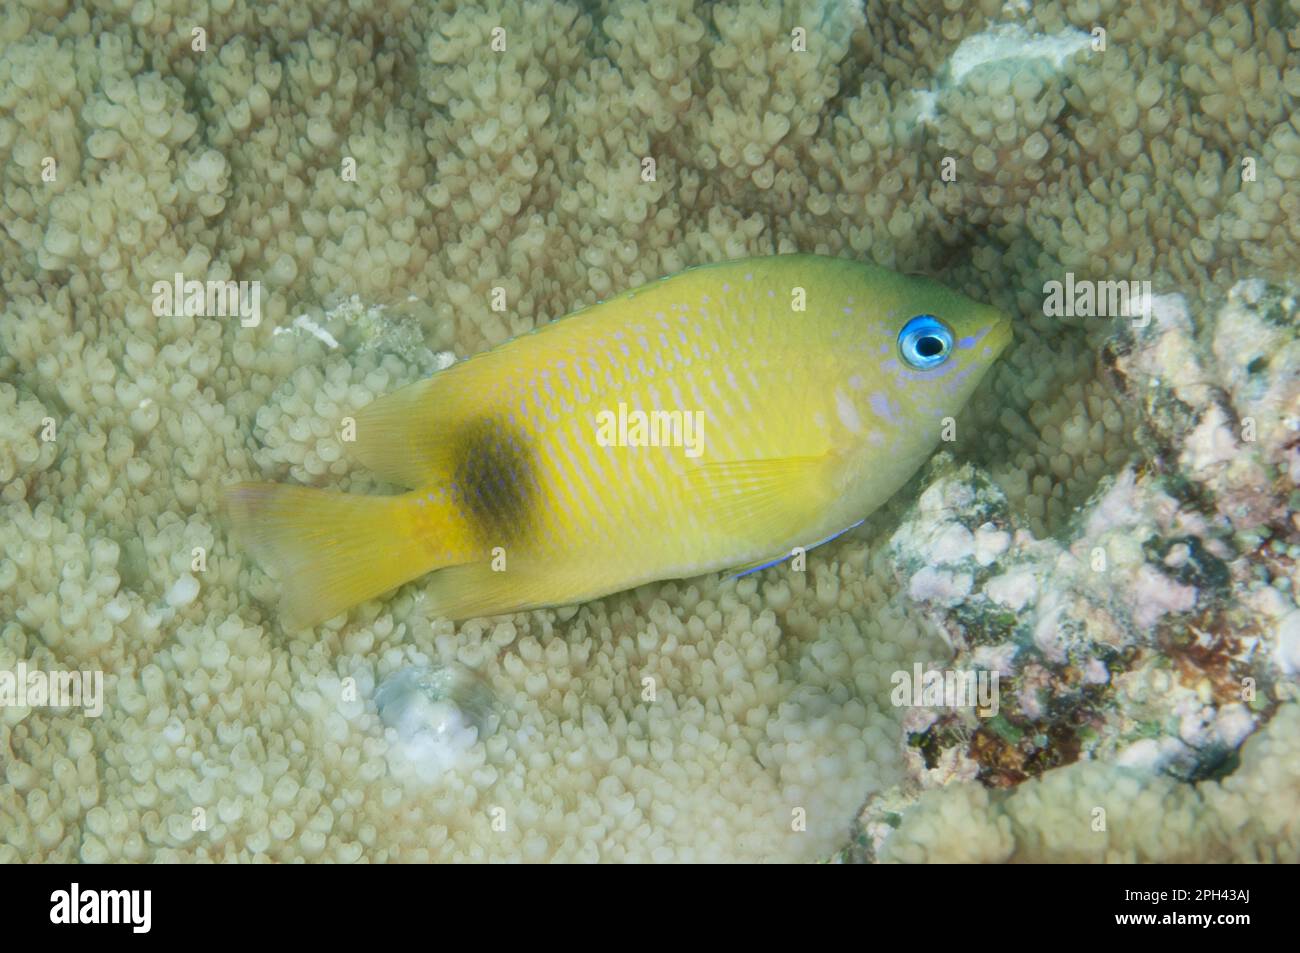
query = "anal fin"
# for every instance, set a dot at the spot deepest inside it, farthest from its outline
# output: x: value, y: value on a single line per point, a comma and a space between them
x: 476, y: 589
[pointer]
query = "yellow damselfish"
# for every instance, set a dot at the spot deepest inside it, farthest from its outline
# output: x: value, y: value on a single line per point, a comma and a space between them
x: 712, y: 420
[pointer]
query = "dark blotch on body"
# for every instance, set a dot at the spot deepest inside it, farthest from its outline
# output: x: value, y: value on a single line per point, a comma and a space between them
x: 493, y: 484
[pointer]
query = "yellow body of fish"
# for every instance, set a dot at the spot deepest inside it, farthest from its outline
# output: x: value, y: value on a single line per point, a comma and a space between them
x: 712, y: 420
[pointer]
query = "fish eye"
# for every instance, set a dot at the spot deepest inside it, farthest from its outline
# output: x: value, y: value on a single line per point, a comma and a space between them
x: 925, y: 342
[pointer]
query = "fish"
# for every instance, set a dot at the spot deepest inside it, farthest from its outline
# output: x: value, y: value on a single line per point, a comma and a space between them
x: 713, y: 420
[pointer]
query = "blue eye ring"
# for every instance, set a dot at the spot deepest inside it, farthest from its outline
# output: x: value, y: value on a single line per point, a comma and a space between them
x: 925, y: 342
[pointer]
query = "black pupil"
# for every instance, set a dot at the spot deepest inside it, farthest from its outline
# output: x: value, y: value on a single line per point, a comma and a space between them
x: 929, y: 346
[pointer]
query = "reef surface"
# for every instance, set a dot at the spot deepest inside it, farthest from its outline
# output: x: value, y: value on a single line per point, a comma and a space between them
x: 1114, y: 530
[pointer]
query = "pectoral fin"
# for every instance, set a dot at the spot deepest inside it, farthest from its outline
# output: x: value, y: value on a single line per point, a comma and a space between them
x: 770, y: 499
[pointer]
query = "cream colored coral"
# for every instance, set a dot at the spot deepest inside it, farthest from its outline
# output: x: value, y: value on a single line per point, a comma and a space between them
x: 663, y: 714
x: 501, y: 188
x: 1093, y: 813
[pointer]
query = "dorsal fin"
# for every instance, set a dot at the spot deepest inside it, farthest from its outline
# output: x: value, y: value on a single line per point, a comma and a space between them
x: 399, y: 436
x: 405, y: 436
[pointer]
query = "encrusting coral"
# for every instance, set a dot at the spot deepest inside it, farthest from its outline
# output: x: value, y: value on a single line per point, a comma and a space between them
x: 384, y: 171
x: 1091, y: 812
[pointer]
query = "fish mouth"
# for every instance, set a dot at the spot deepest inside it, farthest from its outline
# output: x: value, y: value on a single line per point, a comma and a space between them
x: 1000, y: 333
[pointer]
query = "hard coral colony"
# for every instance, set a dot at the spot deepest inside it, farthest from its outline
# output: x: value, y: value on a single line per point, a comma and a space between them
x: 1109, y: 527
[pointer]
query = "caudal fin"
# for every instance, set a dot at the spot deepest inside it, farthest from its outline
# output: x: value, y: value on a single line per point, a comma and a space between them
x: 328, y: 550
